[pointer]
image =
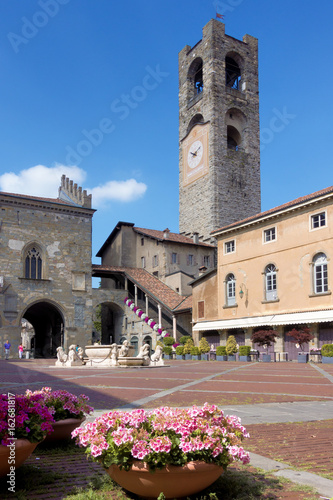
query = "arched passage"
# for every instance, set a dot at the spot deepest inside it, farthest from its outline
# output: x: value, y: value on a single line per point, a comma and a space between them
x: 48, y: 325
x: 111, y: 322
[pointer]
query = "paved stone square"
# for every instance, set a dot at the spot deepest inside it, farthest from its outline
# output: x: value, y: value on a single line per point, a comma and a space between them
x: 267, y: 396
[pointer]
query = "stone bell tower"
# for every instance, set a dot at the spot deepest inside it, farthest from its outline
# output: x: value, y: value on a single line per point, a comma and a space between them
x: 219, y: 149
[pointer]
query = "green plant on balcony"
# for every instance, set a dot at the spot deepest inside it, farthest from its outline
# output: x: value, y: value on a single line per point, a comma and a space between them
x: 184, y: 339
x: 168, y: 341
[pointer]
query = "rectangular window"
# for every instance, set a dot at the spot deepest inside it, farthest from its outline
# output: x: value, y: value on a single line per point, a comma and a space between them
x: 190, y: 260
x: 206, y: 261
x: 229, y: 246
x: 173, y: 258
x: 143, y: 262
x: 321, y: 280
x: 142, y: 241
x: 318, y: 220
x: 201, y: 309
x: 155, y: 261
x: 269, y: 235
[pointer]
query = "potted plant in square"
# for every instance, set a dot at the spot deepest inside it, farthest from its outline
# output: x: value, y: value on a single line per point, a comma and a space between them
x: 187, y: 348
x: 68, y: 411
x: 231, y: 348
x: 204, y: 348
x: 167, y: 349
x: 327, y: 353
x: 180, y: 352
x: 24, y: 422
x: 265, y: 338
x: 195, y: 353
x: 300, y: 337
x: 221, y: 353
x: 174, y: 451
x: 244, y: 353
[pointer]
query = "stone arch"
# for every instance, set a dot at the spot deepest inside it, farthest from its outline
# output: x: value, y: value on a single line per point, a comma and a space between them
x: 233, y: 70
x: 236, y: 123
x: 195, y: 77
x: 47, y: 319
x: 198, y: 118
x: 111, y: 322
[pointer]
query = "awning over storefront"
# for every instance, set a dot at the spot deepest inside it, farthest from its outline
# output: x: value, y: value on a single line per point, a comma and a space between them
x: 273, y: 320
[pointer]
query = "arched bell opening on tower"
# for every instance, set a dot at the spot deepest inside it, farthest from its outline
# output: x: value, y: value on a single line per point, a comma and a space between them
x: 232, y: 73
x: 233, y: 138
x: 198, y: 118
x: 195, y: 77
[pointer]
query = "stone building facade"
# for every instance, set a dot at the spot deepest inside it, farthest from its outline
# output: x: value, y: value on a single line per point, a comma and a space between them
x: 219, y: 150
x: 273, y: 272
x: 45, y: 275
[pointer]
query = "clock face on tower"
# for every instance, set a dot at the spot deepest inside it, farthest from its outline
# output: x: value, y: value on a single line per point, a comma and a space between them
x: 195, y: 153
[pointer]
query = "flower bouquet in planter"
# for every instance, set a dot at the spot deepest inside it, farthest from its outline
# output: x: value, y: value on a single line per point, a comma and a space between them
x: 24, y: 422
x: 156, y: 450
x: 68, y: 411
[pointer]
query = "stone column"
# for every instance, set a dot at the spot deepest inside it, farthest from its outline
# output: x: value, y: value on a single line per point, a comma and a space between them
x: 159, y: 315
x: 248, y: 334
x: 146, y: 296
x: 135, y: 295
x: 126, y: 284
x: 174, y: 327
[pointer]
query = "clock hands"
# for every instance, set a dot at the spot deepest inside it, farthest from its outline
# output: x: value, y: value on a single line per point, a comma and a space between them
x: 196, y: 152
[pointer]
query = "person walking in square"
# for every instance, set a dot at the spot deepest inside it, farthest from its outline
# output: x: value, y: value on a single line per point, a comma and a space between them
x: 20, y: 350
x: 7, y: 347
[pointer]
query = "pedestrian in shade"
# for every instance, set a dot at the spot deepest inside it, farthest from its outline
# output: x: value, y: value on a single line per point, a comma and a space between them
x: 7, y: 347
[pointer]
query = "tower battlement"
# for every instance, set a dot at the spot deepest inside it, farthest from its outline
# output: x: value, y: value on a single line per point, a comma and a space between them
x: 71, y: 192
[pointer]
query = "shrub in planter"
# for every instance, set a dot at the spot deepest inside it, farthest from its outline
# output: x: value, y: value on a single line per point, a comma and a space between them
x: 180, y: 352
x: 167, y: 349
x: 195, y: 352
x: 204, y: 346
x: 184, y: 339
x: 221, y: 353
x: 327, y: 353
x: 231, y: 346
x: 188, y: 346
x: 244, y: 353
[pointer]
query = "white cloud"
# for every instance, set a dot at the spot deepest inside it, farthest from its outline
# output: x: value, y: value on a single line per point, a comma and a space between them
x: 45, y: 181
x: 40, y: 180
x: 125, y: 191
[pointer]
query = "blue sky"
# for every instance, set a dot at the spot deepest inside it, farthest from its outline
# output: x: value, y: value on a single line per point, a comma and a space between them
x: 89, y: 88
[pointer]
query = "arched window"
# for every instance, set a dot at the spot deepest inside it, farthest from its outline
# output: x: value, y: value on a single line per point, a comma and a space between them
x: 320, y: 278
x: 33, y: 264
x: 233, y: 138
x: 230, y: 290
x: 232, y: 73
x: 198, y: 118
x: 195, y: 76
x: 270, y: 282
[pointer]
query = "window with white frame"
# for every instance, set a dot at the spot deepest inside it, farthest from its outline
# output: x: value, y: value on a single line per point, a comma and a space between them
x: 318, y: 220
x: 155, y: 261
x: 173, y: 258
x: 229, y: 246
x: 190, y: 260
x: 143, y: 262
x: 230, y: 290
x: 269, y: 234
x: 270, y: 282
x: 320, y: 277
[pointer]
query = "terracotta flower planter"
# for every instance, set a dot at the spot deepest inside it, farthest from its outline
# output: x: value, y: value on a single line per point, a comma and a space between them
x: 173, y: 481
x: 10, y: 456
x: 63, y: 429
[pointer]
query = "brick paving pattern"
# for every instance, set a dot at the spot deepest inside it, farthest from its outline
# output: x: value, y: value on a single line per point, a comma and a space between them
x: 184, y: 383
